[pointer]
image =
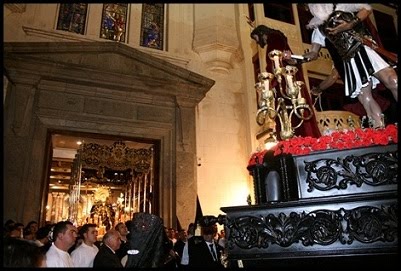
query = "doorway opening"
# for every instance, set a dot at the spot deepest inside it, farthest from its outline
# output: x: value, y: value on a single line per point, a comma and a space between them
x: 101, y: 179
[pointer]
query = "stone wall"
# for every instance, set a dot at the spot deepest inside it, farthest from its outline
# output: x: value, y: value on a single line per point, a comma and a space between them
x: 54, y: 88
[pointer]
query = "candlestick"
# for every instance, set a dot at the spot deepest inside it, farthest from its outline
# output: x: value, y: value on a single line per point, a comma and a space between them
x: 272, y: 106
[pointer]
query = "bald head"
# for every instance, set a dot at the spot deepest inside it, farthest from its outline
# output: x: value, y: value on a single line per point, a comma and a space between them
x: 112, y: 239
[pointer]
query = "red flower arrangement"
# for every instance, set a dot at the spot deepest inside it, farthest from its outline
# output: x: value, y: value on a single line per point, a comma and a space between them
x: 339, y: 140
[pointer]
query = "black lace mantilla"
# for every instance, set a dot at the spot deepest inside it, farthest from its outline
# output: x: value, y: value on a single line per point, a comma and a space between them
x: 149, y: 239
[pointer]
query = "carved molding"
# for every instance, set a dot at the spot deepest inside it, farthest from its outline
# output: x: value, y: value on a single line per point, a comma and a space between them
x: 365, y: 224
x: 182, y: 62
x: 218, y: 57
x: 372, y: 169
x: 216, y: 39
x: 59, y: 35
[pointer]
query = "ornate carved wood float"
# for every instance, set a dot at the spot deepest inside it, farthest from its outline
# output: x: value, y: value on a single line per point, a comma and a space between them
x: 112, y: 164
x: 333, y: 207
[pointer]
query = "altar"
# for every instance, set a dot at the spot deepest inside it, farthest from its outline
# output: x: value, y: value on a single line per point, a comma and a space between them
x: 334, y: 207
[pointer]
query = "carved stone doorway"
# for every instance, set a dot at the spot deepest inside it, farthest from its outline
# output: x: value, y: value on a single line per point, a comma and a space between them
x: 103, y: 88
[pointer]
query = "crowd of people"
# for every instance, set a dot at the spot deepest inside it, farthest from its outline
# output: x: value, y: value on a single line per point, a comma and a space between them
x: 143, y: 242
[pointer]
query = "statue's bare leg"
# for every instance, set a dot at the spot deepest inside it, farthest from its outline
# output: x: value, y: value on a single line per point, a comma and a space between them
x: 389, y: 78
x: 372, y: 108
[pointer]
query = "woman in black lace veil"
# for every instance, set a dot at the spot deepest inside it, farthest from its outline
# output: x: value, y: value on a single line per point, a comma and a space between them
x: 149, y: 245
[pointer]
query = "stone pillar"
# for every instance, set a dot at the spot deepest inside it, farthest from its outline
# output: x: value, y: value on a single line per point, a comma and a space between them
x: 216, y: 36
x: 20, y: 159
x: 186, y: 183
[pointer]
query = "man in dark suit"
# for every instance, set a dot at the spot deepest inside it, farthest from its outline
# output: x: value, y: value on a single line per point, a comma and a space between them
x: 183, y: 245
x: 107, y: 257
x: 205, y: 253
x: 180, y: 244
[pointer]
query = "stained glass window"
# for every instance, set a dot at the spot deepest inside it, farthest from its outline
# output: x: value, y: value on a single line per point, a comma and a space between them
x: 72, y: 17
x: 114, y: 22
x: 152, y: 26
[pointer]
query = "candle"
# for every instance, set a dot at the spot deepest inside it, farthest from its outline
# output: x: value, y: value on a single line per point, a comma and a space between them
x: 276, y: 62
x: 290, y: 87
x: 266, y: 84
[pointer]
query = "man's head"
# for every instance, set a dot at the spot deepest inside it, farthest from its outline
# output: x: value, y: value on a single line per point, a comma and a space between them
x: 122, y: 229
x: 182, y: 235
x: 170, y: 233
x: 43, y: 234
x: 89, y: 233
x: 17, y: 230
x: 191, y: 229
x: 64, y: 235
x: 9, y: 224
x: 208, y: 232
x: 112, y: 239
x: 32, y: 226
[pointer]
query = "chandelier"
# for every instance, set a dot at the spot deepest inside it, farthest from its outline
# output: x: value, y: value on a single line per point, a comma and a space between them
x: 271, y: 106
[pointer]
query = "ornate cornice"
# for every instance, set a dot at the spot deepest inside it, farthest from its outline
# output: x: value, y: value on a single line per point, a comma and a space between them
x: 109, y: 65
x: 60, y: 35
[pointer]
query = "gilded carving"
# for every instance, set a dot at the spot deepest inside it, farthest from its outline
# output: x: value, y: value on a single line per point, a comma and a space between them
x: 117, y: 156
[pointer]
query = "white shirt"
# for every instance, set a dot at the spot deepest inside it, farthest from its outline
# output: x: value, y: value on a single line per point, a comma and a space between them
x: 185, y: 256
x: 84, y: 255
x: 56, y: 257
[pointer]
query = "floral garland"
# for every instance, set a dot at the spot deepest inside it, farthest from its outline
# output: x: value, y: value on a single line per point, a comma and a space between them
x: 340, y: 140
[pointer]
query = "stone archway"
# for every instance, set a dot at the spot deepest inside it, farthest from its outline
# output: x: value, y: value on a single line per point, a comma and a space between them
x: 105, y: 88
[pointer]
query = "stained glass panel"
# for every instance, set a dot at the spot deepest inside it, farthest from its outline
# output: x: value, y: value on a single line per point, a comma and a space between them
x: 114, y: 22
x: 72, y: 17
x: 152, y: 26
